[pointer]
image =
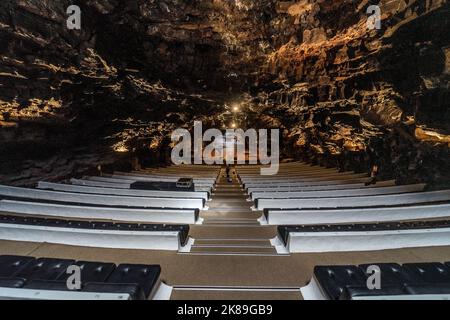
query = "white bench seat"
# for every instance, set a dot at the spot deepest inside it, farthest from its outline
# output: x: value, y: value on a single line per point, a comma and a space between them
x: 353, y: 202
x: 335, y: 216
x: 107, y: 200
x: 276, y: 179
x: 339, y: 193
x: 271, y: 188
x: 101, y: 184
x: 130, y: 181
x: 350, y: 241
x: 144, y: 240
x: 298, y: 174
x: 118, y: 185
x: 305, y: 183
x: 162, y: 178
x: 121, y: 192
x: 179, y: 216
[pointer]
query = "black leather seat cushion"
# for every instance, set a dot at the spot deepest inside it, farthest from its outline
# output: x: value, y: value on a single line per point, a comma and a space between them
x: 51, y: 274
x: 80, y: 224
x: 159, y: 185
x: 391, y: 273
x: 92, y: 271
x: 422, y: 273
x: 146, y: 276
x: 12, y: 282
x: 11, y: 265
x: 348, y: 282
x: 47, y: 285
x: 45, y: 269
x: 10, y: 219
x: 334, y: 279
x: 436, y: 288
x: 182, y: 229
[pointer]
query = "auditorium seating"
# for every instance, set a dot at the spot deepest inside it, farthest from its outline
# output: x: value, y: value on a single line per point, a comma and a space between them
x: 124, y: 184
x: 410, y: 281
x: 122, y: 192
x: 359, y: 215
x: 364, y: 237
x: 337, y: 193
x: 332, y: 187
x: 322, y: 210
x: 302, y: 209
x: 100, y: 199
x: 157, y: 215
x: 356, y: 201
x: 46, y: 278
x: 304, y: 183
x: 111, y: 217
x: 137, y: 177
x: 94, y: 233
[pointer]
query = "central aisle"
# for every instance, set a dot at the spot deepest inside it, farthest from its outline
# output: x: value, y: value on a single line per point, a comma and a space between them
x: 231, y: 228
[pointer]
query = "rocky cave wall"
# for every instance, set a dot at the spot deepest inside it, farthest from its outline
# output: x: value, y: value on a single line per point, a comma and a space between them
x: 353, y: 97
x: 73, y: 99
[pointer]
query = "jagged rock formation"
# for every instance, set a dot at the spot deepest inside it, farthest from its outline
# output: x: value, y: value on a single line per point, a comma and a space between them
x: 358, y: 97
x: 341, y: 93
x: 66, y: 93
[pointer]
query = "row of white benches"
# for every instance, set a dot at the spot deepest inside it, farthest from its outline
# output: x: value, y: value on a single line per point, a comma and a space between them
x: 106, y: 203
x: 125, y: 183
x: 307, y: 195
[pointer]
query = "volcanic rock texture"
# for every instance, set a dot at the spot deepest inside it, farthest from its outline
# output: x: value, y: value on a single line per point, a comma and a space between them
x: 357, y: 97
x: 113, y: 91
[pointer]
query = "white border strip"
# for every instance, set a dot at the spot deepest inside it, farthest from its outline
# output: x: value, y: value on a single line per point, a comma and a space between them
x: 312, y: 291
x: 33, y: 294
x: 163, y: 292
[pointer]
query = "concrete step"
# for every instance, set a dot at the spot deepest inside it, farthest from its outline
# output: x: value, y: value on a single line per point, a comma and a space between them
x: 233, y: 249
x: 237, y: 293
x: 233, y: 242
x: 216, y: 232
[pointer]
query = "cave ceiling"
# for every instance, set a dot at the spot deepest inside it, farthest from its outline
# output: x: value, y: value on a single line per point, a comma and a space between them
x: 138, y: 69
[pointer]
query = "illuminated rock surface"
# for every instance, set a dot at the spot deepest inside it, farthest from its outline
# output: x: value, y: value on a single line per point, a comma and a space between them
x: 71, y: 100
